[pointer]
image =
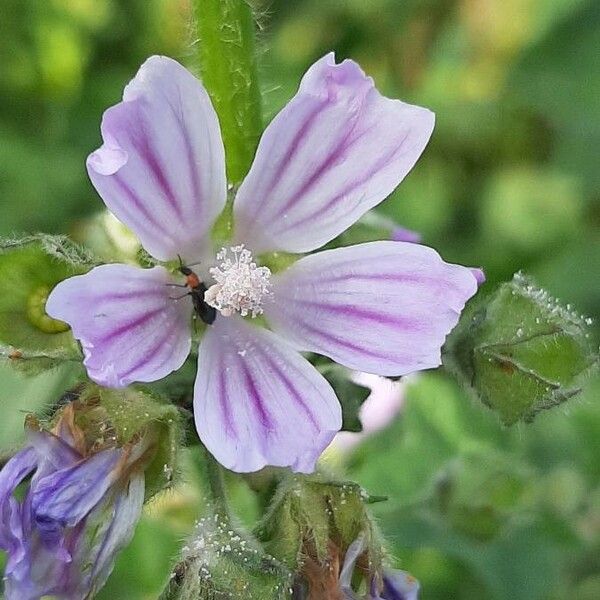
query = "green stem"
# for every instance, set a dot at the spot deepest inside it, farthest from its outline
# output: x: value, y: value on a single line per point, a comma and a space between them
x: 227, y: 60
x: 211, y: 474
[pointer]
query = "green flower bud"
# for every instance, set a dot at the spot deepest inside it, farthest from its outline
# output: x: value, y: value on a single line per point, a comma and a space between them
x: 519, y: 351
x: 221, y: 562
x: 310, y: 515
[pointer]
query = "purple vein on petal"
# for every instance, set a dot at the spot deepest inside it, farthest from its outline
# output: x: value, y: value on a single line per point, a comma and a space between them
x: 139, y: 205
x: 333, y: 157
x: 132, y: 324
x: 441, y: 284
x: 364, y: 313
x: 148, y: 354
x: 323, y: 209
x: 191, y: 159
x: 110, y: 296
x: 145, y: 151
x: 189, y: 149
x: 223, y: 399
x: 279, y: 171
x: 292, y: 390
x: 265, y: 418
x: 342, y: 342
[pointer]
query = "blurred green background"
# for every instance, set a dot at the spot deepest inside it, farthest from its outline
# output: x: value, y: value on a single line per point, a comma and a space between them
x: 510, y: 181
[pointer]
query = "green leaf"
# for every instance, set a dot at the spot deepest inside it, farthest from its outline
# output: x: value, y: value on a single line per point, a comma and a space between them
x: 559, y: 78
x: 465, y: 493
x: 227, y: 61
x: 478, y: 492
x: 519, y: 351
x: 522, y: 564
x: 20, y: 394
x: 29, y: 268
x: 436, y: 423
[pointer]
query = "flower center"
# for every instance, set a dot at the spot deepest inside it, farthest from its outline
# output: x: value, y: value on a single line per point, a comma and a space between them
x: 240, y: 284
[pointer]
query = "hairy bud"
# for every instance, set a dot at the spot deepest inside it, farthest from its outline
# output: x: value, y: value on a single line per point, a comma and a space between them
x: 520, y: 351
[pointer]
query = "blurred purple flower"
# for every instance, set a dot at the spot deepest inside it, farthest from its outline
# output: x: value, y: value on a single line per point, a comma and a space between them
x: 394, y: 585
x: 334, y: 152
x: 381, y: 407
x: 76, y: 512
x: 479, y: 275
x: 401, y: 234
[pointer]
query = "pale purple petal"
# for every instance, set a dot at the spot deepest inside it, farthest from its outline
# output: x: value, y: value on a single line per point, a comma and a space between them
x: 53, y: 453
x: 399, y: 585
x: 132, y: 326
x: 161, y: 169
x: 382, y: 307
x: 479, y: 275
x: 66, y: 496
x: 355, y: 549
x: 334, y: 152
x: 113, y: 524
x: 257, y: 402
x: 11, y: 475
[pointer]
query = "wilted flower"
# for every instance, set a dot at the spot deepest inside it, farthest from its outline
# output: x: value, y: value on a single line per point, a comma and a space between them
x: 334, y: 152
x: 66, y: 509
x: 394, y: 585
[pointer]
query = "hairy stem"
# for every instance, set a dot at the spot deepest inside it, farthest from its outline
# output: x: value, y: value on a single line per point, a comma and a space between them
x: 211, y: 474
x: 227, y: 60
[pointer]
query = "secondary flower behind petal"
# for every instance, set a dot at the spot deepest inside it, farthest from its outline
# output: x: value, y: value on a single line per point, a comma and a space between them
x: 258, y: 402
x: 130, y: 326
x: 335, y: 151
x: 161, y: 169
x: 381, y: 307
x: 402, y: 234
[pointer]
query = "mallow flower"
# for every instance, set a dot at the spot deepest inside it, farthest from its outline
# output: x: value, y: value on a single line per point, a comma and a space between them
x: 66, y: 509
x: 335, y: 151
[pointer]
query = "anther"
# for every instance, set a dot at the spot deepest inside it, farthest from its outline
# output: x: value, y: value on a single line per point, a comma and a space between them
x: 241, y: 285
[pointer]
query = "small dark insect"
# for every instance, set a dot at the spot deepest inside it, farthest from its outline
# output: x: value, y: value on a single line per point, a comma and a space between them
x: 207, y: 313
